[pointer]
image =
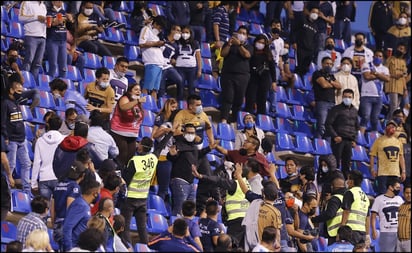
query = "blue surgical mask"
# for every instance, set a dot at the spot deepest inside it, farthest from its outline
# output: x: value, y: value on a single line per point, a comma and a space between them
x: 347, y: 101
x: 327, y: 69
x: 199, y: 109
x: 377, y: 60
x: 249, y: 125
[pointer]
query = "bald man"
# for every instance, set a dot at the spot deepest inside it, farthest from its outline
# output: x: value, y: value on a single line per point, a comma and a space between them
x: 332, y: 214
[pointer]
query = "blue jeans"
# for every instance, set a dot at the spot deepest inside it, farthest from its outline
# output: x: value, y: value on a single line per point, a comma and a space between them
x: 18, y: 150
x: 342, y: 30
x: 181, y: 191
x: 57, y: 57
x: 321, y: 113
x: 394, y: 102
x: 164, y: 168
x: 381, y: 184
x: 33, y: 59
x: 188, y: 77
x: 171, y: 75
x: 369, y: 109
x: 46, y: 188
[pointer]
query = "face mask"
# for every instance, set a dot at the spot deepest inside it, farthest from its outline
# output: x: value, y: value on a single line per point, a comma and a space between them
x: 346, y: 68
x: 57, y: 8
x: 325, y: 169
x: 358, y: 43
x: 135, y: 97
x: 241, y: 37
x: 17, y: 97
x: 402, y: 21
x: 242, y: 152
x: 190, y: 137
x: 260, y: 46
x: 199, y: 109
x: 249, y: 125
x: 347, y: 101
x: 377, y: 60
x: 177, y: 36
x: 96, y: 199
x: 275, y: 31
x: 185, y: 36
x: 396, y: 192
x: 290, y: 202
x: 327, y: 69
x: 71, y: 126
x: 155, y: 31
x: 104, y: 85
x: 57, y: 95
x: 398, y: 53
x: 314, y: 16
x: 329, y: 47
x: 120, y: 74
x: 390, y: 131
x: 88, y: 12
x: 312, y: 212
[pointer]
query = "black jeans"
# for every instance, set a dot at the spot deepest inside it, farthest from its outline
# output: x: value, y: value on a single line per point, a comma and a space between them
x: 233, y: 91
x: 137, y: 208
x: 343, y: 154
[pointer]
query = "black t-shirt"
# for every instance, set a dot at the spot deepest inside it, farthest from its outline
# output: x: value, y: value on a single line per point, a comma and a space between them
x: 323, y: 94
x: 234, y: 62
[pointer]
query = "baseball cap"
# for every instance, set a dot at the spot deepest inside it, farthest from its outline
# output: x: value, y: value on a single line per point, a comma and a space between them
x: 108, y: 165
x: 392, y: 122
x: 76, y: 170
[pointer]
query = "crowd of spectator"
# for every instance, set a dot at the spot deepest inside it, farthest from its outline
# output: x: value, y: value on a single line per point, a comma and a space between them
x: 93, y: 172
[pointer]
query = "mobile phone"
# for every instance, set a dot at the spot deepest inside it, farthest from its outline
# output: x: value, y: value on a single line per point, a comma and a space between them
x: 118, y: 173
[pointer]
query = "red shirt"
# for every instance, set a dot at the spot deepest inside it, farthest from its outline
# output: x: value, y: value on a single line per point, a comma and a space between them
x: 104, y: 193
x: 235, y: 157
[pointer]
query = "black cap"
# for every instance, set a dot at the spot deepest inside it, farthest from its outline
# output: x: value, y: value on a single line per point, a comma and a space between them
x: 108, y: 165
x: 76, y: 170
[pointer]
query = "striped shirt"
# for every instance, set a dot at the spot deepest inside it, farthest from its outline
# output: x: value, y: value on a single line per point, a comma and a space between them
x: 404, y: 221
x: 221, y: 18
x: 27, y: 224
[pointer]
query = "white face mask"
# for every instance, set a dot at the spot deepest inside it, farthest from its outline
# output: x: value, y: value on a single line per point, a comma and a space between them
x: 135, y: 97
x: 120, y: 74
x: 325, y: 169
x: 155, y: 31
x: 241, y: 37
x: 185, y: 36
x: 177, y: 36
x: 347, y: 101
x: 104, y: 85
x: 88, y: 12
x: 259, y: 46
x: 190, y: 137
x: 402, y: 21
x: 314, y: 16
x: 346, y: 68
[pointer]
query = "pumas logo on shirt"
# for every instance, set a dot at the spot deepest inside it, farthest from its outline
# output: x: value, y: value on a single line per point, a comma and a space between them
x: 392, y: 153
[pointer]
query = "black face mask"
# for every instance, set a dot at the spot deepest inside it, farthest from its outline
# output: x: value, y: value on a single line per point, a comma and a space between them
x: 329, y: 47
x: 358, y: 43
x: 312, y: 212
x: 242, y: 152
x: 275, y: 31
x: 396, y: 192
x: 12, y: 60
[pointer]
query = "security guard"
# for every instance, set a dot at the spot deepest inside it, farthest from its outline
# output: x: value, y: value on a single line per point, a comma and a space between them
x: 138, y: 175
x: 355, y: 206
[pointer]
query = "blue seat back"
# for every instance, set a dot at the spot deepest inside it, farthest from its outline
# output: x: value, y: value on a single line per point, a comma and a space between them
x: 21, y: 202
x: 225, y: 131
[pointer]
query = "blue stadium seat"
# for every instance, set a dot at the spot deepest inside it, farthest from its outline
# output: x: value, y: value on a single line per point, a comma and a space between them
x: 133, y: 224
x: 256, y: 17
x: 150, y: 104
x: 149, y: 118
x: 207, y: 82
x: 145, y: 131
x: 362, y: 167
x: 270, y: 157
x: 206, y: 65
x: 321, y: 147
x: 312, y: 68
x: 60, y: 105
x: 284, y: 142
x: 8, y: 232
x: 280, y: 94
x: 46, y: 100
x: 44, y: 81
x: 340, y: 45
x: 29, y: 81
x: 205, y: 50
x: 4, y: 15
x: 283, y: 125
x: 4, y: 28
x: 298, y: 112
x: 26, y: 113
x: 156, y: 223
x: 20, y: 201
x: 131, y: 38
x: 120, y: 17
x: 113, y: 35
x: 53, y: 243
x: 182, y: 104
x: 281, y: 171
x: 29, y: 131
x: 303, y: 143
x: 296, y: 97
x: 255, y: 29
x: 299, y: 83
x: 92, y: 60
x: 73, y: 73
x: 322, y: 244
x: 359, y: 154
x: 124, y: 6
x: 225, y: 131
x: 303, y: 127
x: 229, y: 145
x: 38, y: 114
x: 89, y: 75
x: 371, y: 138
x: 4, y: 42
x: 282, y: 110
x: 265, y: 122
x: 156, y: 204
x: 292, y: 64
x: 141, y: 247
x: 240, y: 23
x: 156, y: 9
x: 132, y: 53
x: 214, y: 160
x: 14, y: 14
x: 243, y: 15
x: 108, y: 61
x: 239, y: 122
x: 70, y: 84
x: 367, y: 187
x: 361, y: 140
x: 16, y: 30
x: 209, y: 99
x: 307, y: 82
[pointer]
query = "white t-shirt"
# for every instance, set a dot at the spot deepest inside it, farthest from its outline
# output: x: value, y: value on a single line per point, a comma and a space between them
x: 387, y: 209
x: 260, y: 248
x: 370, y: 87
x: 150, y: 55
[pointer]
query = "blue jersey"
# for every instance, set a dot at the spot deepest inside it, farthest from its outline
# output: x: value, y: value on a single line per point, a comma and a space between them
x: 208, y: 228
x: 62, y: 191
x: 340, y: 247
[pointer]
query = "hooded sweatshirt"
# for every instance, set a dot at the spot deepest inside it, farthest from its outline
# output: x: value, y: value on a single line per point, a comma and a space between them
x: 66, y: 154
x: 43, y: 157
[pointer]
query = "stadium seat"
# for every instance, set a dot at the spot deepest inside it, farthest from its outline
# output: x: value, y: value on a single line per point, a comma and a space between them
x: 303, y: 143
x: 20, y: 201
x: 340, y: 45
x: 150, y: 104
x: 359, y: 154
x: 361, y: 140
x: 14, y: 14
x: 284, y: 142
x: 113, y: 35
x: 26, y: 113
x: 282, y: 110
x: 59, y: 104
x: 206, y: 65
x: 207, y: 82
x: 156, y: 9
x: 53, y: 243
x: 209, y: 99
x: 8, y: 232
x: 73, y: 73
x: 371, y: 137
x: 292, y: 64
x: 4, y: 15
x: 213, y: 159
x: 240, y: 116
x: 46, y: 100
x: 16, y: 30
x: 149, y: 118
x: 225, y: 131
x: 205, y: 51
x: 182, y: 104
x: 367, y: 187
x: 296, y: 97
x: 256, y: 29
x: 141, y: 247
x: 256, y: 17
x: 44, y: 81
x: 299, y: 83
x: 92, y: 60
x: 4, y: 42
x: 321, y: 147
x: 283, y: 125
x: 132, y: 53
x: 131, y: 38
x: 38, y: 114
x: 29, y: 131
x: 303, y: 127
x: 4, y: 28
x: 270, y: 157
x: 108, y: 61
x: 243, y: 15
x: 299, y: 112
x: 156, y: 223
x: 291, y: 52
x: 362, y: 167
x: 89, y: 75
x: 133, y: 224
x: 229, y: 145
x: 265, y: 122
x: 156, y: 204
x: 240, y: 23
x: 29, y: 81
x: 145, y: 131
x: 280, y: 94
x: 120, y: 17
x: 312, y: 68
x: 124, y: 6
x: 307, y: 82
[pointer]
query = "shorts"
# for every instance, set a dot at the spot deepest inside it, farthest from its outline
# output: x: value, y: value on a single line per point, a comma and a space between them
x: 152, y: 77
